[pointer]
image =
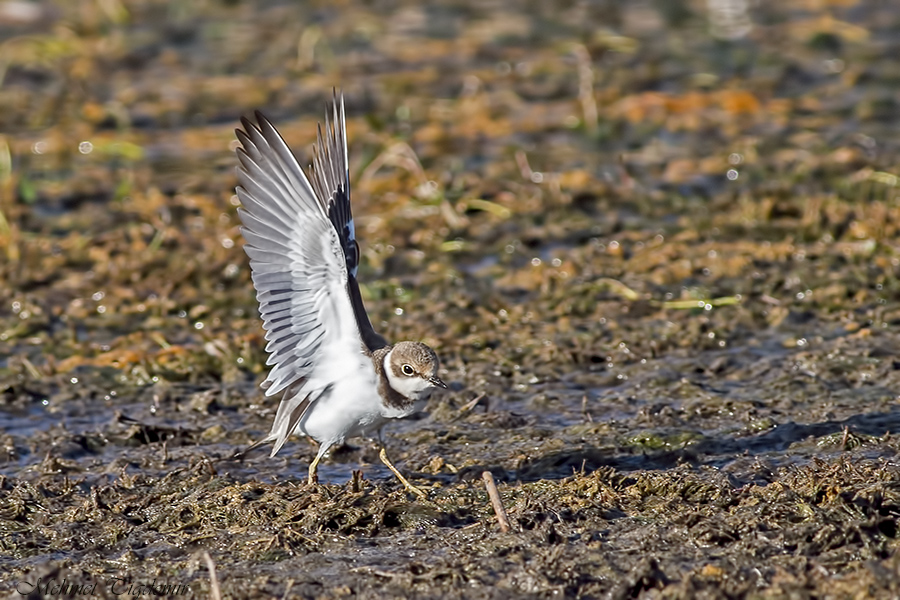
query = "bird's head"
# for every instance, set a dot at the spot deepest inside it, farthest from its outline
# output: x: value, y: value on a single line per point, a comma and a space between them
x: 412, y: 370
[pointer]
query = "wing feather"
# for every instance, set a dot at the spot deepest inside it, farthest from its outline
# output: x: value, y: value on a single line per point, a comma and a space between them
x: 296, y: 258
x: 331, y: 180
x: 303, y: 253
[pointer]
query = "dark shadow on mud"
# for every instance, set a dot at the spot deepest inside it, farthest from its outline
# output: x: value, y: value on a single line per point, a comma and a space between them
x: 710, y: 451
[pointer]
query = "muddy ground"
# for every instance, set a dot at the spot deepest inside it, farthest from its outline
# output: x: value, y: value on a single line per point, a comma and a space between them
x: 654, y: 244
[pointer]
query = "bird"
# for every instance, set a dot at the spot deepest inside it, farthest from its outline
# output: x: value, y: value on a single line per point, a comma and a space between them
x: 338, y: 378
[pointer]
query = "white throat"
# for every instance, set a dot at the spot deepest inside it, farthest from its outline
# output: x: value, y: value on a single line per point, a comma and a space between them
x: 414, y: 388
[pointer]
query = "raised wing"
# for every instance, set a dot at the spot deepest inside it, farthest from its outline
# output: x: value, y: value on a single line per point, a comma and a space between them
x: 331, y: 180
x: 297, y: 262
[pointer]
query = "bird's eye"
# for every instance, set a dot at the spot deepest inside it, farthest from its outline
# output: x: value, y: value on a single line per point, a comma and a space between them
x: 407, y: 370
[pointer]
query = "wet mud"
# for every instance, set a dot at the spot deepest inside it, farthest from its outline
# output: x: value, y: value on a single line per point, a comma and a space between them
x: 654, y: 244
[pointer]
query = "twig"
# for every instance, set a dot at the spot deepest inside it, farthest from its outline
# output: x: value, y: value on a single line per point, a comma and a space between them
x: 287, y: 589
x: 702, y: 303
x: 472, y: 404
x: 214, y: 591
x: 29, y: 366
x: 356, y: 481
x: 524, y: 167
x: 618, y: 288
x: 586, y: 87
x: 495, y: 501
x: 400, y: 155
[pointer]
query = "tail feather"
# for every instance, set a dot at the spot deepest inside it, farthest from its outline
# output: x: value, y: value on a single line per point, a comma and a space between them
x: 291, y: 410
x: 242, y: 454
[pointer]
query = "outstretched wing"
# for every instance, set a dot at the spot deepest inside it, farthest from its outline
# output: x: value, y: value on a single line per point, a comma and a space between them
x: 331, y: 180
x: 297, y: 262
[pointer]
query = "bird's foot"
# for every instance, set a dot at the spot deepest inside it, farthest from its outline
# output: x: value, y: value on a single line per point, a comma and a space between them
x: 387, y: 462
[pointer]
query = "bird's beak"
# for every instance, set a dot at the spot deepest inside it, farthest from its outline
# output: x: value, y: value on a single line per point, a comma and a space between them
x: 436, y: 382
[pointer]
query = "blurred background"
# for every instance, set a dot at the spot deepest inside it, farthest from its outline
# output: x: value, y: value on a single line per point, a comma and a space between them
x: 654, y: 243
x: 486, y: 138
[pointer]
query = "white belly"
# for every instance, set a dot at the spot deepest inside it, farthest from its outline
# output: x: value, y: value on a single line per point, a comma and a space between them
x: 350, y: 405
x: 345, y: 411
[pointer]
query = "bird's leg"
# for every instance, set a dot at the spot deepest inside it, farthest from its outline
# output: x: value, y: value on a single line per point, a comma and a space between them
x: 384, y: 458
x: 313, y: 466
x: 321, y: 450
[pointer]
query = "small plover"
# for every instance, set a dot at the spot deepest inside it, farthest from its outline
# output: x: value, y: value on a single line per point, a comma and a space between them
x: 338, y: 377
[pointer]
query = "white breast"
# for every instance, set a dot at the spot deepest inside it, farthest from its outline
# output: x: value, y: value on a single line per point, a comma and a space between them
x: 350, y: 407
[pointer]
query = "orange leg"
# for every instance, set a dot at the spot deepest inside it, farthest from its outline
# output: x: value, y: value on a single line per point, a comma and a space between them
x: 384, y: 458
